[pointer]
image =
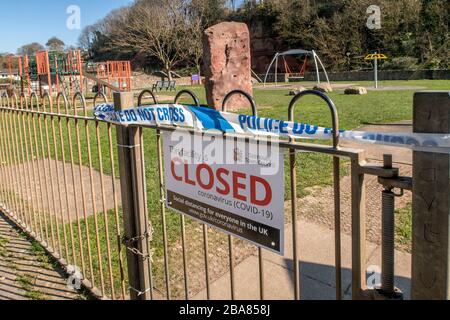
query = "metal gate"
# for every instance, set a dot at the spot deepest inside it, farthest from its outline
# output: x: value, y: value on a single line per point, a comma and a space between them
x: 93, y: 195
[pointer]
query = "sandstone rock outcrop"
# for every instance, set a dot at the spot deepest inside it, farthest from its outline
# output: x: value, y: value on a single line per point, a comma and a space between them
x: 355, y: 90
x: 324, y: 87
x: 227, y: 64
x: 296, y: 91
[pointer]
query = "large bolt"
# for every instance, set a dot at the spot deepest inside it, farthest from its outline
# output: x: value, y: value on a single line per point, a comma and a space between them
x: 387, y: 251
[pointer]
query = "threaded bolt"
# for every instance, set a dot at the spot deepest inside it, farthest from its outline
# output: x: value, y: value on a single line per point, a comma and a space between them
x: 387, y: 250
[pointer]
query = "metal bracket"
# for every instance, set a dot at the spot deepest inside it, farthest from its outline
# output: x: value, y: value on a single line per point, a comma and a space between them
x: 378, y: 294
x: 139, y: 293
x: 128, y: 147
x: 403, y: 183
x: 139, y: 253
x: 129, y: 241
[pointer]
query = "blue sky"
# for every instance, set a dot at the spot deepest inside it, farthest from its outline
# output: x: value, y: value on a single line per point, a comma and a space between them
x: 25, y: 21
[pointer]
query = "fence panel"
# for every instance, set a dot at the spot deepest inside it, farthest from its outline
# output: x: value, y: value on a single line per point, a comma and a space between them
x: 93, y: 194
x: 188, y: 256
x: 59, y: 181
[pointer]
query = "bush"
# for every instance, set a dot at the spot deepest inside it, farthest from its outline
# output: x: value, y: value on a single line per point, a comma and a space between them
x: 187, y: 71
x: 401, y: 63
x: 8, y: 81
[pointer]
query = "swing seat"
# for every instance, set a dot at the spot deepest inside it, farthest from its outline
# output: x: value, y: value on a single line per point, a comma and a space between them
x: 296, y: 77
x: 292, y: 76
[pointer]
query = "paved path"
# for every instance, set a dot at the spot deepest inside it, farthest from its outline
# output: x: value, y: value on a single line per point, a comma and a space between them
x: 42, y: 184
x: 26, y: 273
x: 316, y: 269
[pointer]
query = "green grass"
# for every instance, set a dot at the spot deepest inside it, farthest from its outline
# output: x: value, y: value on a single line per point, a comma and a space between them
x: 157, y: 245
x: 3, y: 243
x: 41, y: 255
x: 354, y: 110
x: 26, y: 283
x: 403, y: 227
x: 99, y: 265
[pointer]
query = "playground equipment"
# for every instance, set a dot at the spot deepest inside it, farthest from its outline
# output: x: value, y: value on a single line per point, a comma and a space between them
x: 375, y: 57
x: 65, y: 70
x: 117, y: 73
x: 301, y: 74
x: 47, y: 71
x: 20, y: 65
x: 56, y: 72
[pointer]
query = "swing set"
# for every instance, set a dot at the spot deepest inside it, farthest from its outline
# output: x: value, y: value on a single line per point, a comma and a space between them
x: 293, y: 76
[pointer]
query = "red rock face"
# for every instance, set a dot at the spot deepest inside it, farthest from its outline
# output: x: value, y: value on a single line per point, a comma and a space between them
x: 227, y: 61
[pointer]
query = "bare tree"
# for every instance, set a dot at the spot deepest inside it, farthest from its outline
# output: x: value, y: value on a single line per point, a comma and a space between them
x: 200, y: 15
x: 158, y: 27
x: 193, y: 52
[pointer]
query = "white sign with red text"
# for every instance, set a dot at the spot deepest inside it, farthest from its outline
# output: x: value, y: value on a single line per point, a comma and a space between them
x: 228, y: 184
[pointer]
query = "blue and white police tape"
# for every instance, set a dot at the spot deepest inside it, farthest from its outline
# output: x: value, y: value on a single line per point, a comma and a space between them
x: 202, y: 118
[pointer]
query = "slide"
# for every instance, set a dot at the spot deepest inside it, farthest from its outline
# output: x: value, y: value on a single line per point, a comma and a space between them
x: 102, y: 82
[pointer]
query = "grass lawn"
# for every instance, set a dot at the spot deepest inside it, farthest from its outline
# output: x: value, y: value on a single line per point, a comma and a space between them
x: 376, y: 107
x: 403, y: 227
x: 313, y: 170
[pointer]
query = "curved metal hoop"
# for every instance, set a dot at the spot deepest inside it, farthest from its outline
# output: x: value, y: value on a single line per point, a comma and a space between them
x: 189, y: 93
x: 5, y: 95
x: 46, y: 96
x: 58, y: 102
x: 15, y: 101
x: 143, y: 93
x: 245, y: 94
x: 100, y: 95
x: 23, y: 101
x: 331, y: 106
x: 78, y: 96
x: 34, y: 98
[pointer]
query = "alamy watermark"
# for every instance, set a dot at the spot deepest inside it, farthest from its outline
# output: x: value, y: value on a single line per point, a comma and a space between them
x: 75, y: 278
x: 374, y: 19
x: 373, y: 273
x: 73, y: 21
x: 213, y: 149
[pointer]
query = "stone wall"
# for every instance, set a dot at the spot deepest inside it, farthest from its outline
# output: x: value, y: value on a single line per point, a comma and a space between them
x: 368, y: 75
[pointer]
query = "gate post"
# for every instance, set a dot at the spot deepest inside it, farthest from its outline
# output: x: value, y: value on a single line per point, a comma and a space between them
x: 133, y: 202
x: 358, y: 188
x: 431, y: 202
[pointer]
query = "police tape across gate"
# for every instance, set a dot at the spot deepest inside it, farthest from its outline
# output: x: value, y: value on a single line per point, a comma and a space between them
x: 203, y: 118
x: 237, y: 188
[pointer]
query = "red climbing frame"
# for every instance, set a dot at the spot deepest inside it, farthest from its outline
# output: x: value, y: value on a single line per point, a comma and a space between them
x: 23, y: 68
x: 117, y: 73
x: 43, y: 71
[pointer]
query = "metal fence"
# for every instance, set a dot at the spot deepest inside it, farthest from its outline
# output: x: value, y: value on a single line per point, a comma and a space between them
x: 53, y: 184
x: 93, y: 195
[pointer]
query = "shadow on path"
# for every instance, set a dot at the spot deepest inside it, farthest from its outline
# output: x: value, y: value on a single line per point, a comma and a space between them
x: 26, y: 272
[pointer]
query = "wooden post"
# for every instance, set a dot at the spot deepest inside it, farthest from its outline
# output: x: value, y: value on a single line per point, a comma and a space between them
x: 431, y: 202
x: 133, y: 201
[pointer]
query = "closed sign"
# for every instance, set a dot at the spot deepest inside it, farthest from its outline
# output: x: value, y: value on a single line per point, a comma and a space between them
x: 227, y: 185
